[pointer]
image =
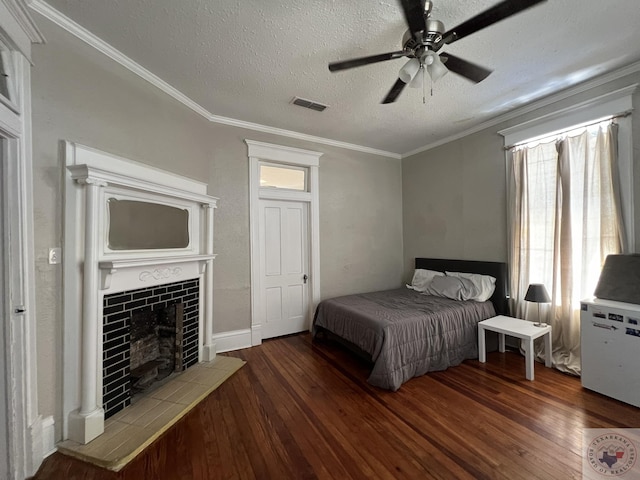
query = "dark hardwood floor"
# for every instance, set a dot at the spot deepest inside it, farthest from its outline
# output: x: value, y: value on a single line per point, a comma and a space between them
x: 303, y: 410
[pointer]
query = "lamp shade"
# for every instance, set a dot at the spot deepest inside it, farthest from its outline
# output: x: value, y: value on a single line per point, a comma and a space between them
x: 537, y: 293
x: 418, y: 80
x: 409, y: 71
x: 433, y: 64
x: 436, y: 69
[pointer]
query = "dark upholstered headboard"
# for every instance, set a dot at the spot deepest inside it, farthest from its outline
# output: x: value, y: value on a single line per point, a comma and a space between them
x: 495, y: 269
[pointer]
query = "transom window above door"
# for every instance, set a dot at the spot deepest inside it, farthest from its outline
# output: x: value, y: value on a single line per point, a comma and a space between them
x: 7, y: 82
x: 283, y: 177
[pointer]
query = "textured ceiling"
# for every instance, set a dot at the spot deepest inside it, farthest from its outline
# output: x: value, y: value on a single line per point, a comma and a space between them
x: 247, y: 59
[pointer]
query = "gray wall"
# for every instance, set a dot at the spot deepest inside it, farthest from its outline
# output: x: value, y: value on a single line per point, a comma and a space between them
x: 454, y: 202
x: 81, y: 96
x: 454, y: 196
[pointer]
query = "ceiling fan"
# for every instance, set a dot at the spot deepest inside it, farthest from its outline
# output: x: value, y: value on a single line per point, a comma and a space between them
x: 424, y: 39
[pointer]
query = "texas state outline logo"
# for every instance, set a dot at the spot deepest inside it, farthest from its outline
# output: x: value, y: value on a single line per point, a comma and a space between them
x: 611, y: 454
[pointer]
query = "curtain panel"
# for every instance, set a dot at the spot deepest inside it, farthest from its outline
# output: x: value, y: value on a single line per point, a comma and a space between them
x: 564, y: 219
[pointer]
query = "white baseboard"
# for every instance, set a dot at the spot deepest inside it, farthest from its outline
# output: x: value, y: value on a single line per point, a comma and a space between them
x: 256, y: 335
x: 233, y: 340
x: 48, y: 436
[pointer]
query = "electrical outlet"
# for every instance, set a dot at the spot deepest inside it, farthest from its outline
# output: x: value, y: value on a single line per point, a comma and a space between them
x: 55, y: 256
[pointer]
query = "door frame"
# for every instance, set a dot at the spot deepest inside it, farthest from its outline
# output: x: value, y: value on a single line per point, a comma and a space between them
x: 18, y: 371
x: 296, y: 157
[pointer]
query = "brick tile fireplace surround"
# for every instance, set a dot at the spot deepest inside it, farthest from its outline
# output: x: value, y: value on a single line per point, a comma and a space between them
x: 120, y: 311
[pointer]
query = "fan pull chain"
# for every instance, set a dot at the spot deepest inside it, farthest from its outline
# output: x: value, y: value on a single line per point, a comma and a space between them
x: 424, y: 96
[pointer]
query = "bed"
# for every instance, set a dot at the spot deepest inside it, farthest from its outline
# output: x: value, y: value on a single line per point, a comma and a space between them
x: 405, y: 333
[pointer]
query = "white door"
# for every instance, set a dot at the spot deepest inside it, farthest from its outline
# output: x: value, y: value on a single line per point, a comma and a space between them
x: 12, y: 318
x: 284, y: 267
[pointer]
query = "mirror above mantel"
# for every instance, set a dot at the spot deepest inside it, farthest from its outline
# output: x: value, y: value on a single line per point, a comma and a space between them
x: 143, y: 225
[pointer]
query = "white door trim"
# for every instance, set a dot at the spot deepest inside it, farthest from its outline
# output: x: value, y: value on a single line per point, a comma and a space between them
x: 259, y: 151
x: 25, y: 440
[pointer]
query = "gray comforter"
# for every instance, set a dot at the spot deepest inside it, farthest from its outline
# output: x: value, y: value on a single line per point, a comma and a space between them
x: 406, y: 333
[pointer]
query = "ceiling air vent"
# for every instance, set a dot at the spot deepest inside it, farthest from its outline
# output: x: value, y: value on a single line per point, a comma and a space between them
x: 303, y: 102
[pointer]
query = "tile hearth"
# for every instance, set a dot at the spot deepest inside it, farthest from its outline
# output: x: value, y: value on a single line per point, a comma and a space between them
x: 129, y: 431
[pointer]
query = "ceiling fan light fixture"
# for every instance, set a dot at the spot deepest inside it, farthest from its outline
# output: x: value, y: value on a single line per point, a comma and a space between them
x: 409, y: 71
x: 418, y: 80
x: 437, y: 70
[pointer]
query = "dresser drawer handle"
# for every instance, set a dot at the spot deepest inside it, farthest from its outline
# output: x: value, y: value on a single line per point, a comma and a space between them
x: 604, y: 325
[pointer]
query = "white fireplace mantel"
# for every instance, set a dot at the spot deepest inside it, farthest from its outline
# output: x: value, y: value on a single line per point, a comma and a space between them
x: 137, y: 273
x: 92, y: 269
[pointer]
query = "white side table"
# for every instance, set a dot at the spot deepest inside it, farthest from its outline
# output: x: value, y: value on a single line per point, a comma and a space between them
x: 514, y: 327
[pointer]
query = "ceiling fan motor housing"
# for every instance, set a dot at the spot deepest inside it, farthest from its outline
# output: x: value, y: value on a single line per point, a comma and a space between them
x: 430, y: 37
x: 435, y: 29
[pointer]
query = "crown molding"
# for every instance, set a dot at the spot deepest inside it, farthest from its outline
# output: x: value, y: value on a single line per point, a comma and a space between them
x: 92, y: 40
x: 543, y: 102
x: 18, y: 9
x: 17, y: 27
x: 303, y: 136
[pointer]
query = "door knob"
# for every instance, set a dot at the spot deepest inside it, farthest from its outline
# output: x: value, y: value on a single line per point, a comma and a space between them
x: 305, y: 278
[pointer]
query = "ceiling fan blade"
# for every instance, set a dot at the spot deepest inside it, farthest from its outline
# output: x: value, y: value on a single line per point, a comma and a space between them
x: 358, y: 62
x: 395, y: 91
x: 414, y: 15
x: 494, y: 14
x: 469, y: 70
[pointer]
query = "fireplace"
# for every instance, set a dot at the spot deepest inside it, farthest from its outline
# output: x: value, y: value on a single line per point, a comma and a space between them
x: 148, y: 334
x: 138, y: 265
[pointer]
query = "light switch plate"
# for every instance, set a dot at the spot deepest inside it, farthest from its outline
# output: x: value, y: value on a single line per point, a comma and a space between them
x: 55, y: 255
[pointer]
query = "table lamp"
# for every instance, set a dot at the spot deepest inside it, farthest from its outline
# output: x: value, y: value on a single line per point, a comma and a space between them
x: 536, y: 293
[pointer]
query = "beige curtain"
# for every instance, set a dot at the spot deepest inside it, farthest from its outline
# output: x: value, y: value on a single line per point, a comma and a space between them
x: 564, y: 219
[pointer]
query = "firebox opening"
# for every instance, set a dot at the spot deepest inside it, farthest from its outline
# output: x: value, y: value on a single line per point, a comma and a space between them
x: 156, y: 346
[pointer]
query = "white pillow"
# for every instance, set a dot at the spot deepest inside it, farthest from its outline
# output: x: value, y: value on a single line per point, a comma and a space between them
x: 486, y: 284
x: 455, y: 288
x: 422, y: 278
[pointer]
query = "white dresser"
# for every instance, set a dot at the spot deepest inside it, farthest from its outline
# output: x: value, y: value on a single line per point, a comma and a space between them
x: 610, y: 349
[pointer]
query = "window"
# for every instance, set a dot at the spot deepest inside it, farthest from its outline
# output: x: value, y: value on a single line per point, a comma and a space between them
x: 7, y: 93
x: 565, y: 218
x: 563, y: 195
x: 4, y: 76
x: 287, y: 178
x: 574, y: 204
